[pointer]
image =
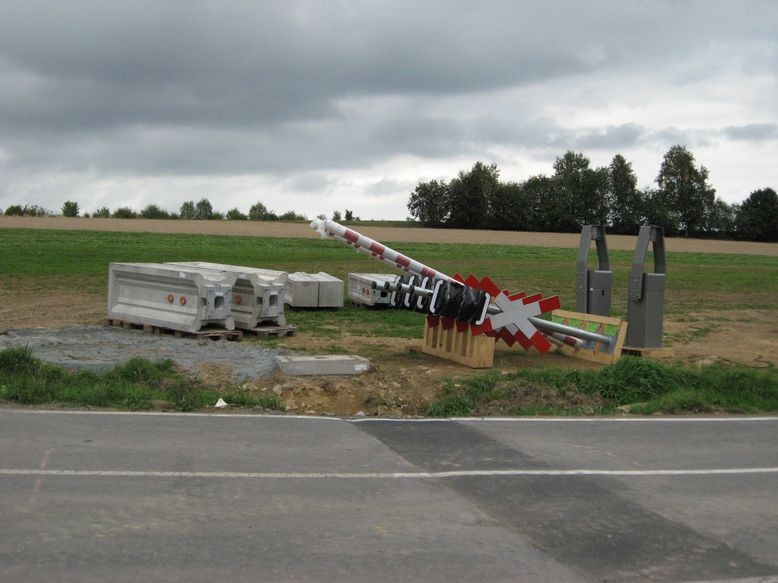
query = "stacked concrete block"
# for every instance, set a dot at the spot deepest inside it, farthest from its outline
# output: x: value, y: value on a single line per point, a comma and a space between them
x: 330, y: 290
x: 302, y: 291
x: 257, y: 296
x: 314, y: 290
x: 362, y: 290
x: 170, y: 296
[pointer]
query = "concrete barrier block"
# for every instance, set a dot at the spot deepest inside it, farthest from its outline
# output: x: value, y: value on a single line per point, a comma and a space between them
x: 170, y: 296
x: 337, y: 364
x: 257, y: 296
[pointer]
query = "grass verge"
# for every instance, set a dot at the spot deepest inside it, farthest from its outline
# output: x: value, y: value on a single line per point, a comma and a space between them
x: 646, y: 386
x: 138, y: 384
x: 358, y: 321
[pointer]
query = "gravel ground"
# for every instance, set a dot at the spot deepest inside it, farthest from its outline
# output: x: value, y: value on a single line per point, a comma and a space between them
x: 100, y: 348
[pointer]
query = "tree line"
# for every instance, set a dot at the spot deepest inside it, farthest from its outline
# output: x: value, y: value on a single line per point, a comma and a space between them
x: 683, y: 202
x: 190, y: 210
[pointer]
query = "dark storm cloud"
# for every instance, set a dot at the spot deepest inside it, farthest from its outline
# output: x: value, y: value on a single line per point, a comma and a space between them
x: 185, y: 88
x: 756, y: 132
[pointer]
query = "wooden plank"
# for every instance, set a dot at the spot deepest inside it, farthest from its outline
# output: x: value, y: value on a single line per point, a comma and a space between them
x: 459, y: 347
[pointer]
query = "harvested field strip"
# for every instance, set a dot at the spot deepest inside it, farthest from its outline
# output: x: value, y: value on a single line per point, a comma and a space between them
x: 381, y: 233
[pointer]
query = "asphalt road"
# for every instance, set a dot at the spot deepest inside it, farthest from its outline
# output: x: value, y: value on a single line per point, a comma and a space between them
x: 138, y: 497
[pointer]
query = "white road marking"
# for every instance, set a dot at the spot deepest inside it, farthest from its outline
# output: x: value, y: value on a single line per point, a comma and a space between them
x: 730, y: 419
x: 382, y: 475
x: 765, y: 579
x: 172, y: 414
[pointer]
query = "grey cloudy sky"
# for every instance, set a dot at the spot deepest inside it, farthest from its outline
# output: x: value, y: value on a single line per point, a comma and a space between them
x: 316, y: 106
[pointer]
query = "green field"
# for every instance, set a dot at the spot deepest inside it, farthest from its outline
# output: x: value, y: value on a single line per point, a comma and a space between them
x: 78, y: 260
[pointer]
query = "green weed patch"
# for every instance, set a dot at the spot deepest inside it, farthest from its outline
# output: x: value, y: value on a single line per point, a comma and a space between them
x: 646, y: 386
x: 138, y: 384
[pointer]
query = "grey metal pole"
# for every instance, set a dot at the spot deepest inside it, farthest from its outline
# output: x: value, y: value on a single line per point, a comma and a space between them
x: 593, y: 287
x: 646, y: 297
x: 576, y: 332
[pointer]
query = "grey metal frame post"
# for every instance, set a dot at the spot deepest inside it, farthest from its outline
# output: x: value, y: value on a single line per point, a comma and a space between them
x: 593, y: 287
x: 646, y: 299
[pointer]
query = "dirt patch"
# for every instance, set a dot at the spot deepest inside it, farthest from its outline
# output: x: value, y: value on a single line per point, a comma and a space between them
x: 393, y: 234
x: 523, y: 396
x: 21, y: 309
x: 404, y: 382
x: 401, y: 381
x: 747, y: 337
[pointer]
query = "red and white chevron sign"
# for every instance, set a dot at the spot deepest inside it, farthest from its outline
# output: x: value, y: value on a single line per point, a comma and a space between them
x: 512, y: 323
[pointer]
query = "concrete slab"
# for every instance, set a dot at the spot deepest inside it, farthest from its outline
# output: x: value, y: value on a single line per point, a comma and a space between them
x: 336, y: 364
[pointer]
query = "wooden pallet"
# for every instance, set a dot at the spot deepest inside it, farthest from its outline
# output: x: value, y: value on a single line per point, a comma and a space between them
x: 271, y: 331
x: 462, y: 347
x: 593, y: 323
x: 202, y: 334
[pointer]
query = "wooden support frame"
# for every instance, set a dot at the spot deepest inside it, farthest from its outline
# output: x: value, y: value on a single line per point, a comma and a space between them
x: 458, y: 346
x: 593, y: 351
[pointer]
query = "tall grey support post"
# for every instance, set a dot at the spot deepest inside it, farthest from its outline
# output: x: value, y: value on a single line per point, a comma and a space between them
x: 646, y: 302
x: 593, y: 287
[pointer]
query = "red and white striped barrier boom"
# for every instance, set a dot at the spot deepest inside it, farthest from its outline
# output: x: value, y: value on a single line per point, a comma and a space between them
x: 510, y: 317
